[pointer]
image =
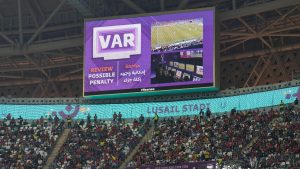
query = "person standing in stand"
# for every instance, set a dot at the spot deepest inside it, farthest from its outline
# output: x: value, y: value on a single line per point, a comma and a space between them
x: 296, y: 102
x: 208, y: 113
x: 69, y: 121
x: 155, y: 118
x: 56, y: 119
x: 50, y: 120
x: 8, y: 117
x: 95, y: 118
x: 115, y: 116
x: 281, y: 106
x: 120, y: 117
x: 201, y: 114
x: 141, y: 119
x: 89, y: 119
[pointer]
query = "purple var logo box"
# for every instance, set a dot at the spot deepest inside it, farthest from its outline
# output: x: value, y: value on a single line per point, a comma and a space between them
x: 117, y: 42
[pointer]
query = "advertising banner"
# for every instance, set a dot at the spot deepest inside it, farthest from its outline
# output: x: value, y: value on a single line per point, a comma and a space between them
x: 164, y: 109
x: 191, y: 165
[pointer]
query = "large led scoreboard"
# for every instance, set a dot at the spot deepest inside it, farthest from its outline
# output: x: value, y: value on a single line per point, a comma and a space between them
x: 159, y: 53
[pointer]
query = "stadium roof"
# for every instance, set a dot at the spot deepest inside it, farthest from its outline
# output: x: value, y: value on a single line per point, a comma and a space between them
x: 41, y: 41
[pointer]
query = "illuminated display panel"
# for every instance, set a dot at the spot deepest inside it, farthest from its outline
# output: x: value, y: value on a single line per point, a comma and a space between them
x: 131, y: 55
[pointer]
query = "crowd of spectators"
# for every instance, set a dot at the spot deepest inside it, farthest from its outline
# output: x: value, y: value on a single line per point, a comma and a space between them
x: 224, y: 139
x: 27, y: 144
x: 100, y: 144
x: 250, y: 139
x: 278, y: 145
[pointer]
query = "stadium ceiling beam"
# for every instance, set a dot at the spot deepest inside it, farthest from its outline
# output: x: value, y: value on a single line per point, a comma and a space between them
x: 7, y: 38
x: 162, y: 5
x: 70, y: 72
x: 268, y: 33
x: 1, y: 16
x: 233, y: 4
x: 260, y: 33
x: 235, y: 44
x: 282, y: 29
x: 46, y: 22
x: 280, y: 13
x: 55, y: 88
x: 42, y: 47
x: 255, y: 33
x: 20, y: 25
x: 38, y: 81
x: 13, y: 63
x: 258, y: 53
x: 32, y: 13
x: 261, y: 17
x: 19, y: 77
x: 235, y: 33
x: 182, y: 4
x: 232, y: 39
x: 82, y: 7
x: 134, y: 6
x: 117, y: 11
x: 44, y: 89
x: 39, y: 9
x: 279, y: 19
x: 285, y: 34
x: 255, y: 9
x: 51, y: 28
x: 37, y: 66
x: 57, y: 65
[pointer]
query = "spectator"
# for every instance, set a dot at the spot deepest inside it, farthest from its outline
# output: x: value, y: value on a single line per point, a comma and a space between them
x: 296, y: 102
x: 50, y: 120
x: 20, y: 120
x: 155, y: 118
x: 281, y: 106
x: 81, y: 123
x: 120, y: 117
x: 42, y: 120
x: 56, y: 120
x: 141, y: 119
x: 106, y: 145
x: 233, y: 111
x: 95, y: 118
x: 208, y: 113
x: 201, y: 114
x: 115, y: 116
x: 12, y: 122
x: 8, y: 117
x: 221, y: 138
x: 27, y: 145
x: 88, y: 119
x: 69, y: 121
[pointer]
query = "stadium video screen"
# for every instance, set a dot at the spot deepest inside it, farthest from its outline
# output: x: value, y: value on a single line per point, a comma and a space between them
x: 139, y: 54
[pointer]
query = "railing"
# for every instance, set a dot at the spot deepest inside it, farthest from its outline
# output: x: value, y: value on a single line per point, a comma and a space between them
x: 166, y: 98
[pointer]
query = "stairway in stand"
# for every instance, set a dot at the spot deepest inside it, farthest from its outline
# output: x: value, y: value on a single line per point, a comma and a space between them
x: 57, y: 147
x: 147, y: 137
